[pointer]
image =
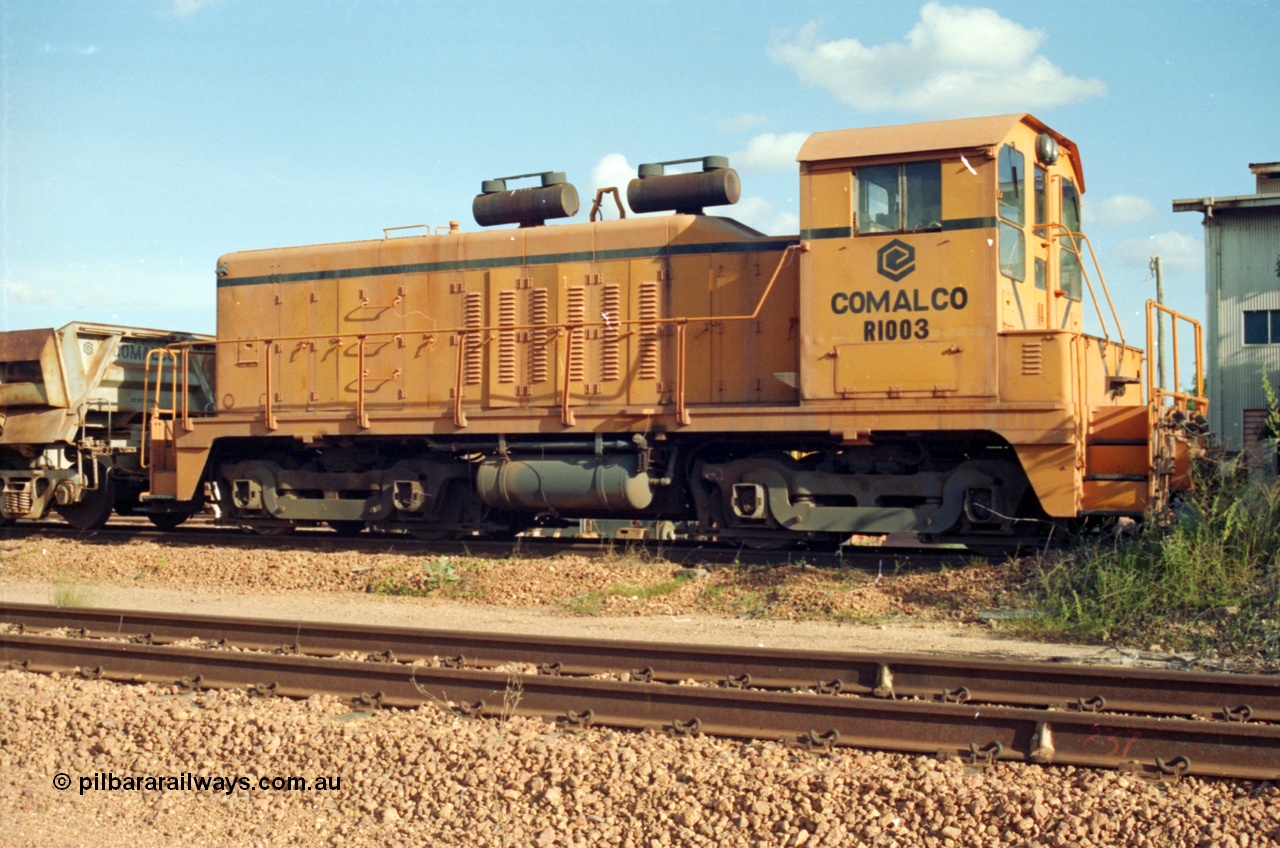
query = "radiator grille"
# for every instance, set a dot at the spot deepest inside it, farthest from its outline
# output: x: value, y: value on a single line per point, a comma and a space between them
x: 473, y: 365
x: 540, y: 348
x: 611, y: 310
x: 650, y: 334
x: 506, y: 337
x: 577, y: 314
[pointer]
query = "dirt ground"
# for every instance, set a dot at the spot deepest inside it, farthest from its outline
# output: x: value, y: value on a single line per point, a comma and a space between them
x: 944, y: 612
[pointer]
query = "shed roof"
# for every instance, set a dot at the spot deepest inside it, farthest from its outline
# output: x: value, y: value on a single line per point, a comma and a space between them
x: 928, y: 137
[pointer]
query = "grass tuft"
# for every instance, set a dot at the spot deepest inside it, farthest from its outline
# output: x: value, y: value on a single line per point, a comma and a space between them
x: 1209, y: 582
x: 440, y: 576
x: 66, y: 592
x: 591, y: 603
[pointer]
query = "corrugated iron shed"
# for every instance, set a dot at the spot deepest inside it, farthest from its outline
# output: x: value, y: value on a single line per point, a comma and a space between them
x: 1242, y: 274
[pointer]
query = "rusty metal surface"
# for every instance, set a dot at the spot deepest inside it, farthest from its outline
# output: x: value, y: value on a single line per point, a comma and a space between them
x: 1172, y: 746
x: 1061, y: 686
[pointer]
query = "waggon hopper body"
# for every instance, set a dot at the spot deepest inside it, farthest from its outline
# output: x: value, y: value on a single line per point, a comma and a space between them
x: 71, y: 419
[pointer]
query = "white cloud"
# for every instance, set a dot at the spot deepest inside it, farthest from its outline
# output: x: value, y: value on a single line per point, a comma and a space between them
x: 742, y: 123
x: 1179, y: 253
x: 19, y: 292
x: 756, y: 212
x: 760, y: 214
x: 86, y: 50
x: 187, y: 8
x: 769, y: 152
x: 612, y: 171
x: 956, y: 60
x: 1118, y: 211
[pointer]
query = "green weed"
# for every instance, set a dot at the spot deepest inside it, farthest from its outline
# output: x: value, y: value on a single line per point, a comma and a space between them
x: 1208, y: 582
x: 66, y: 592
x: 591, y: 603
x: 437, y: 576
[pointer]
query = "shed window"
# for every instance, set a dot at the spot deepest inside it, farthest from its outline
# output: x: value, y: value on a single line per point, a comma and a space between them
x: 900, y: 198
x: 1262, y: 327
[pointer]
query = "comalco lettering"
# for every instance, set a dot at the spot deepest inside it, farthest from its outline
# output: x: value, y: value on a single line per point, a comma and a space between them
x: 940, y: 299
x: 904, y: 300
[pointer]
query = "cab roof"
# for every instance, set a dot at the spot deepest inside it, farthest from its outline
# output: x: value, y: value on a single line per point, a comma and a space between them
x: 928, y: 137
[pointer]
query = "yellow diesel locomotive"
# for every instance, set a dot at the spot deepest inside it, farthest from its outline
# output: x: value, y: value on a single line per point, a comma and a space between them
x: 913, y: 361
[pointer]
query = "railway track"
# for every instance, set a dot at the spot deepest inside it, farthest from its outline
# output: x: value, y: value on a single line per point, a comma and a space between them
x: 1155, y: 722
x: 203, y: 533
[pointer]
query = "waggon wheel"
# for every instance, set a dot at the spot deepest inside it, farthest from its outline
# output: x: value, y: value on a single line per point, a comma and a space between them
x: 94, y: 509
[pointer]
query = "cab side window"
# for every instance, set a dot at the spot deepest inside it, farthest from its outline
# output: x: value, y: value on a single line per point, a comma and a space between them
x: 900, y: 198
x: 1042, y: 218
x: 1013, y: 214
x: 1072, y: 275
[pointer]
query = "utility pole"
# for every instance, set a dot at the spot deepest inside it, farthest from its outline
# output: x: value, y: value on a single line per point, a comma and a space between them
x: 1157, y: 269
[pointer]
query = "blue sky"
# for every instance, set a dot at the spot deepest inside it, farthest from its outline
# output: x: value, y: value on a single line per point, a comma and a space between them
x: 144, y: 138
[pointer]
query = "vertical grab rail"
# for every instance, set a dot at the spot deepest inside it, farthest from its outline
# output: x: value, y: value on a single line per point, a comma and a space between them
x: 1156, y: 394
x: 362, y: 415
x: 268, y: 410
x: 682, y: 412
x: 153, y: 407
x: 1166, y: 407
x: 186, y: 390
x: 567, y: 417
x: 459, y: 417
x: 1054, y: 232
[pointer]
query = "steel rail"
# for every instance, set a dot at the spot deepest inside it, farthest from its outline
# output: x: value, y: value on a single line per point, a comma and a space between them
x: 985, y: 735
x: 1061, y: 686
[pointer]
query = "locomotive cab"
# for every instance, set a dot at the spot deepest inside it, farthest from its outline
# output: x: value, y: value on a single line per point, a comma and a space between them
x: 935, y: 238
x: 947, y: 274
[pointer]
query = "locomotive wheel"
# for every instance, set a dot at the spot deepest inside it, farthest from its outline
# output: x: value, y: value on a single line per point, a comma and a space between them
x: 257, y: 526
x: 273, y: 528
x: 346, y: 529
x: 760, y: 544
x: 452, y: 512
x: 167, y: 520
x: 93, y: 511
x: 430, y: 532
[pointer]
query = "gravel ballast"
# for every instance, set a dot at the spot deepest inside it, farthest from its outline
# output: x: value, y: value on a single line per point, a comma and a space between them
x: 426, y: 777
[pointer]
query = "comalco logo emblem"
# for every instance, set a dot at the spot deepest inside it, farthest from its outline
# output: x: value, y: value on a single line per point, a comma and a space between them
x: 896, y: 260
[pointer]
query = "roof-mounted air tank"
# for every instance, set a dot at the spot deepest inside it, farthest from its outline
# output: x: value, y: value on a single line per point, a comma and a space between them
x: 528, y: 207
x: 715, y: 185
